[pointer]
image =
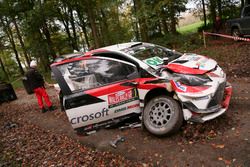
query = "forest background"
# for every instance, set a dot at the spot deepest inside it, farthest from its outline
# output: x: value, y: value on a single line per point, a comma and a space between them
x: 44, y: 29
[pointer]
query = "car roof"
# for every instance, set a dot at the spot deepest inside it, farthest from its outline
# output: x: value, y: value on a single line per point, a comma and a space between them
x: 112, y: 48
x: 68, y: 56
x: 122, y: 46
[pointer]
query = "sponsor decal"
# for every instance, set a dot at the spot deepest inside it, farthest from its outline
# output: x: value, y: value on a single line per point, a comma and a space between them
x: 201, y: 64
x: 194, y: 58
x: 122, y: 97
x: 181, y: 87
x: 89, y: 117
x: 120, y: 109
x: 127, y: 107
x: 190, y: 57
x: 133, y: 106
x: 154, y: 61
x: 200, y: 60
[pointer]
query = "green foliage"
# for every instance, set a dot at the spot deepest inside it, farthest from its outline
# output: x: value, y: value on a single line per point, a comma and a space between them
x: 47, y: 77
x: 10, y: 62
x: 61, y: 45
x: 191, y: 28
x: 182, y: 43
x: 17, y: 83
x: 50, y: 28
x: 205, y: 28
x: 2, y: 76
x: 231, y: 9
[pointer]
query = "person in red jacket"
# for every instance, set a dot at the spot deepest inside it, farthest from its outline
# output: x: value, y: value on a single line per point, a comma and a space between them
x: 36, y: 83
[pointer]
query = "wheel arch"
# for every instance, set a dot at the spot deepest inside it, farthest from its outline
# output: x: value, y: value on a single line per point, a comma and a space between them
x: 235, y: 26
x: 157, y: 92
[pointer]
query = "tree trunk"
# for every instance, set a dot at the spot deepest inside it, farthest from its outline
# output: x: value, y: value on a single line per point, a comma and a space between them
x: 159, y: 28
x: 9, y: 33
x: 91, y: 18
x: 135, y: 25
x: 83, y: 26
x: 66, y: 26
x: 173, y: 20
x: 46, y: 32
x: 213, y: 10
x: 219, y: 8
x: 3, y: 69
x: 142, y: 21
x: 117, y: 19
x: 105, y: 29
x: 165, y: 26
x: 42, y: 54
x: 73, y: 29
x: 204, y: 12
x: 21, y: 42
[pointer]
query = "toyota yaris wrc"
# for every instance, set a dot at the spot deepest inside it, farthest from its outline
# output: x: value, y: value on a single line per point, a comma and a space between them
x: 108, y: 85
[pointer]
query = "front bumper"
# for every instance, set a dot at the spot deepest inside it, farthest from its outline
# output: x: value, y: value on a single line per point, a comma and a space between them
x: 196, y: 115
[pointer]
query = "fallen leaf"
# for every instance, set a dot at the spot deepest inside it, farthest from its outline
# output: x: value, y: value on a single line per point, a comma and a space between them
x: 227, y: 162
x: 218, y: 145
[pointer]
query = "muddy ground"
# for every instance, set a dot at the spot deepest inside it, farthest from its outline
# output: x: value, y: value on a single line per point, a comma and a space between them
x: 31, y: 138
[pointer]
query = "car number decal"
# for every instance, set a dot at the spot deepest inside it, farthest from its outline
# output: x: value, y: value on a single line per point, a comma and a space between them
x: 154, y: 61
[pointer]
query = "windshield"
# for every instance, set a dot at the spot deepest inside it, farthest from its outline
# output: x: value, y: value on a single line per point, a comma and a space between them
x: 153, y: 55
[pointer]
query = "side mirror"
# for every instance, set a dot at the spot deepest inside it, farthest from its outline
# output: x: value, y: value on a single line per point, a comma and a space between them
x: 165, y: 60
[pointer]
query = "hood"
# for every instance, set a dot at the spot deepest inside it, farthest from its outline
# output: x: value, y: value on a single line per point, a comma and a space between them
x: 192, y: 64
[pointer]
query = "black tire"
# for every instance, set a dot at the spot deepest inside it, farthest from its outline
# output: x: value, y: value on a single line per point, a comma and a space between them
x: 236, y: 33
x: 162, y: 116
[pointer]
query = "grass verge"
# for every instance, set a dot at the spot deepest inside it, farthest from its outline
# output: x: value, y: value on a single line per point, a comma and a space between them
x: 191, y: 28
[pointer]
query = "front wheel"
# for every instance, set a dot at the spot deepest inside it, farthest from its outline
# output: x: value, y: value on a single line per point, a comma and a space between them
x: 236, y: 33
x: 162, y: 116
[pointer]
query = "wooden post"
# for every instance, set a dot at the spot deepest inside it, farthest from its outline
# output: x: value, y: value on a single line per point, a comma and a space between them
x: 204, y: 39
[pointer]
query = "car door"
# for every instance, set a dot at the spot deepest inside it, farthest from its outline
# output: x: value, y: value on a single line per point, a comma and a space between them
x: 245, y: 21
x: 97, y: 90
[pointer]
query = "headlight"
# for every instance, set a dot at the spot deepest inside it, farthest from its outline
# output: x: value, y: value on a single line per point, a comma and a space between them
x: 193, y: 80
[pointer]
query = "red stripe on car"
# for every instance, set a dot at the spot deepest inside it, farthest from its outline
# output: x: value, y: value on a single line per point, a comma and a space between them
x: 184, y: 70
x: 104, y: 90
x: 90, y: 53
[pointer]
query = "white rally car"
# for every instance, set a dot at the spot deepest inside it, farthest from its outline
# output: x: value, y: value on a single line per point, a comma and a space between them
x: 108, y: 85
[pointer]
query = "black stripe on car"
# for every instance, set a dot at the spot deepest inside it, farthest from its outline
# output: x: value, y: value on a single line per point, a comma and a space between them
x: 80, y: 99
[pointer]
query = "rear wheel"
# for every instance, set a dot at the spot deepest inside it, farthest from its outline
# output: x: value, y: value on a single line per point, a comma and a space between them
x: 162, y: 116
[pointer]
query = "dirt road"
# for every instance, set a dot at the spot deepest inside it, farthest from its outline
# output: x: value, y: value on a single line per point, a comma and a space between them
x: 224, y: 141
x: 30, y: 138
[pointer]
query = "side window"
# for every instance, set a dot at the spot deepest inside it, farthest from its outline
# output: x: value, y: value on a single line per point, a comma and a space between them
x: 246, y: 11
x: 92, y: 73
